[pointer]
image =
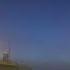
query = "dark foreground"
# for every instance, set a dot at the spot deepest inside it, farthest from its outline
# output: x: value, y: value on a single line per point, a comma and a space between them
x: 14, y: 67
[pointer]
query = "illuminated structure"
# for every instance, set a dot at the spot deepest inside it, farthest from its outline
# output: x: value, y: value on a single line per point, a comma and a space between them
x: 6, y: 55
x: 7, y: 64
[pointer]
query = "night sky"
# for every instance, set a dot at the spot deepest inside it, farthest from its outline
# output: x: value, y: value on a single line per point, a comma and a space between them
x: 37, y: 30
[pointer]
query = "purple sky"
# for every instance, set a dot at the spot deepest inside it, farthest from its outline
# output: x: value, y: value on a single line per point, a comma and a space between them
x: 38, y: 30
